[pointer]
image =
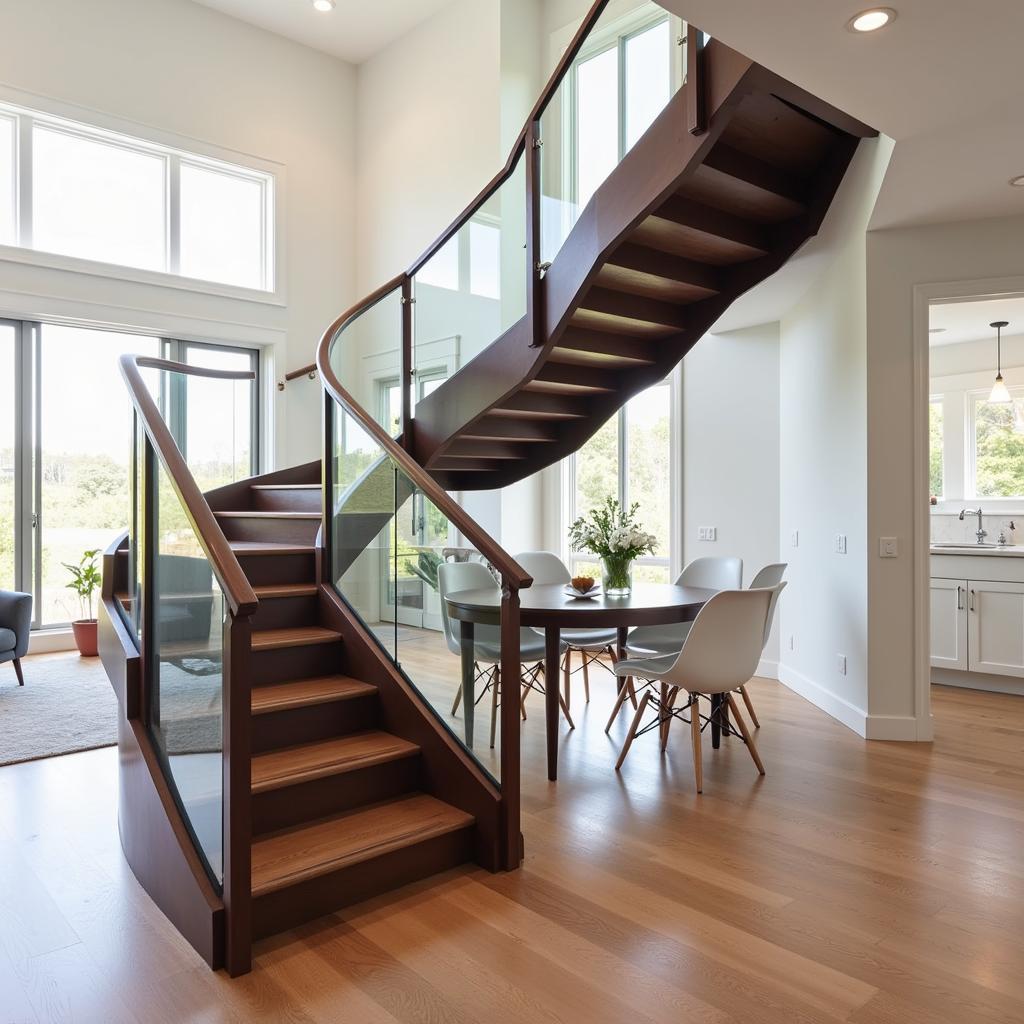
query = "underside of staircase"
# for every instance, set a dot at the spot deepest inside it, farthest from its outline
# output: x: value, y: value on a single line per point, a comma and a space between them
x: 681, y: 228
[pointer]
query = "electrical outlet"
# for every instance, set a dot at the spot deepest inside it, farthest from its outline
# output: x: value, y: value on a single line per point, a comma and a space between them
x: 841, y: 664
x: 887, y: 547
x: 840, y: 544
x: 792, y: 642
x: 707, y: 533
x: 794, y: 538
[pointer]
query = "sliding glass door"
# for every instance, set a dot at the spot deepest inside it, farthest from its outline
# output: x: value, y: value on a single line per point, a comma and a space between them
x: 65, y: 445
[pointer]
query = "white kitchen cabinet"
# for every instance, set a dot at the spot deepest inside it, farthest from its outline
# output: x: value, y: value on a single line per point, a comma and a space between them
x: 949, y: 640
x: 995, y: 631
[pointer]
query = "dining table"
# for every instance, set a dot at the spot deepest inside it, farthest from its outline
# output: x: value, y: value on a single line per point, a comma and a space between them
x: 552, y: 607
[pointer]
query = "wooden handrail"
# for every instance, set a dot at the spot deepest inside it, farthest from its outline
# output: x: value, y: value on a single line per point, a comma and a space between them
x: 303, y: 371
x: 233, y: 582
x: 509, y: 568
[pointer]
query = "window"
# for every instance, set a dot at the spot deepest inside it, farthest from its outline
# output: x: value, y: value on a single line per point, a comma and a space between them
x: 108, y: 198
x: 630, y: 458
x: 997, y: 448
x: 66, y: 444
x: 935, y: 448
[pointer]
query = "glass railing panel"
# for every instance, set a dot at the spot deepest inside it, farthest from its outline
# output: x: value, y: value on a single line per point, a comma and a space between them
x: 367, y: 357
x: 186, y: 671
x: 473, y: 288
x: 630, y: 66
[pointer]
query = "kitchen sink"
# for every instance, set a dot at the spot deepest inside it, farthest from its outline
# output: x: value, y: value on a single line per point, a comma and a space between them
x: 969, y: 547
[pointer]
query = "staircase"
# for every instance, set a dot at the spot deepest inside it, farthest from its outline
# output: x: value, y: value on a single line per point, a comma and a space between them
x: 340, y: 780
x: 337, y: 808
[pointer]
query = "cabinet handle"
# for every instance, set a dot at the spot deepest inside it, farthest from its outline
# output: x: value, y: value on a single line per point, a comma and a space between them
x: 972, y: 599
x: 959, y: 598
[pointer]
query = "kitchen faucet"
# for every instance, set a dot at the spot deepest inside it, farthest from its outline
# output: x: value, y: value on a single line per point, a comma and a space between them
x: 981, y: 532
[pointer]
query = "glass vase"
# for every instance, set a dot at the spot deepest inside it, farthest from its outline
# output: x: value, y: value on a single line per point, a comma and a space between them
x: 618, y: 575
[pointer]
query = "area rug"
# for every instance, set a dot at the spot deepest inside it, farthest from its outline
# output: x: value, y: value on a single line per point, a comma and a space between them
x: 67, y: 705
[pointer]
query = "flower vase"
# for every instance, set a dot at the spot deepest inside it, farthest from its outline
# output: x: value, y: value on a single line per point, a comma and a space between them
x: 618, y: 575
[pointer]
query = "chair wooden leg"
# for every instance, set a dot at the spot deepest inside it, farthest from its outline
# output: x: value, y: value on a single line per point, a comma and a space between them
x: 565, y: 711
x: 17, y: 671
x: 586, y: 676
x: 494, y: 703
x: 698, y: 767
x: 745, y: 733
x: 633, y: 728
x: 668, y: 704
x: 620, y: 699
x: 457, y: 701
x: 750, y: 707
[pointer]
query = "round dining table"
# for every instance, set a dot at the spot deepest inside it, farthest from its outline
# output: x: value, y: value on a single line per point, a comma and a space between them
x: 551, y: 608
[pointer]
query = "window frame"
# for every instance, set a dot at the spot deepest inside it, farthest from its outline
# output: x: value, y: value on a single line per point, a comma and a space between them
x: 671, y: 559
x: 174, y: 151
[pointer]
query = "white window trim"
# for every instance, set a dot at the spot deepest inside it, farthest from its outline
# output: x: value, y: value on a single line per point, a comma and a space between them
x: 94, y: 125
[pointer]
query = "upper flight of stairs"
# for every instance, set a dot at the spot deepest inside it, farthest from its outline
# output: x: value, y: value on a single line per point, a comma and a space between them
x: 337, y: 808
x: 680, y: 229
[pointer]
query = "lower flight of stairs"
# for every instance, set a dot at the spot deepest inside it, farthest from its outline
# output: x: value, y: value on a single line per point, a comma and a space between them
x: 338, y: 814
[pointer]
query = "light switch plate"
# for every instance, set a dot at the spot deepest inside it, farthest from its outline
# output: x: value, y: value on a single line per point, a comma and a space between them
x: 794, y: 538
x: 888, y: 547
x: 841, y: 664
x: 840, y: 544
x: 707, y: 533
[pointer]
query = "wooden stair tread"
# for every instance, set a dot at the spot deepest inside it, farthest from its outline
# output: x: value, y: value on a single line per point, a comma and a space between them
x: 260, y: 547
x: 290, y: 766
x: 306, y: 692
x: 261, y: 514
x: 285, y: 487
x: 296, y: 636
x: 272, y: 590
x: 295, y: 855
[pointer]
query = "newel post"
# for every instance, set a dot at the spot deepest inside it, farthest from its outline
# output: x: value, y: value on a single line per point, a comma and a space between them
x: 511, y: 851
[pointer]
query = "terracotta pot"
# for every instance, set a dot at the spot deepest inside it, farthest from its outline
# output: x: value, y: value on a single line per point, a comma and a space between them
x: 85, y: 637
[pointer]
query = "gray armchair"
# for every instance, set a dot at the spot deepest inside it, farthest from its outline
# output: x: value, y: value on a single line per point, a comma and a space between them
x: 15, y: 622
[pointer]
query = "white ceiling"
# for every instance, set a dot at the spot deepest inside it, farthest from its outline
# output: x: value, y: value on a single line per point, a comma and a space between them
x: 354, y: 30
x: 969, y: 321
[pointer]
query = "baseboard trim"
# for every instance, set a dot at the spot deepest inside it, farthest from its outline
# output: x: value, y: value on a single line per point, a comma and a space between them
x: 841, y: 710
x: 870, y: 727
x: 767, y: 669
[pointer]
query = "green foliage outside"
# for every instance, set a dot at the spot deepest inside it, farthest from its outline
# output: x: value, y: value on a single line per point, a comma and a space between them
x: 999, y: 453
x: 935, y: 484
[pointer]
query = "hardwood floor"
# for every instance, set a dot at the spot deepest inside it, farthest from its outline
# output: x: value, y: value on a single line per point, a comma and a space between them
x: 867, y: 882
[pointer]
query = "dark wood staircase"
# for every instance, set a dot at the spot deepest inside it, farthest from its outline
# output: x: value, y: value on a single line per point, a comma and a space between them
x: 683, y: 226
x: 338, y: 811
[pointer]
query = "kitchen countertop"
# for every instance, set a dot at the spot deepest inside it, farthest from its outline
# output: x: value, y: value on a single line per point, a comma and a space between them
x: 1006, y: 551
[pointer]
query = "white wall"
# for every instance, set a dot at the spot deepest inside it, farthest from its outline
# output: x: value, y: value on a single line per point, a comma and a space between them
x: 731, y: 451
x: 823, y: 463
x: 182, y: 68
x: 944, y: 259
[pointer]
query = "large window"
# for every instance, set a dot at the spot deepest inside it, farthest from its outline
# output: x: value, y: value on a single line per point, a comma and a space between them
x: 469, y: 262
x: 630, y: 458
x: 65, y: 444
x: 935, y: 448
x: 72, y: 190
x: 996, y: 454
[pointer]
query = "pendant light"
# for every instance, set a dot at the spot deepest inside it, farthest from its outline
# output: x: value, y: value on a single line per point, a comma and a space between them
x: 999, y: 394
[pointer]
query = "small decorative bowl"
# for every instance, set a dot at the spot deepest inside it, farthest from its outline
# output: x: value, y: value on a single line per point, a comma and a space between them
x: 582, y: 584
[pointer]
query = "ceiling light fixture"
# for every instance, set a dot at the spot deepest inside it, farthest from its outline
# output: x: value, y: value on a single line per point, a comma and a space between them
x: 999, y: 395
x: 872, y: 19
x: 324, y: 5
x: 1018, y: 182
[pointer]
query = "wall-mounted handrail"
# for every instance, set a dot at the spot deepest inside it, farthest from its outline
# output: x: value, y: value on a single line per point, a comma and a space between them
x: 239, y: 594
x: 303, y: 371
x: 502, y: 561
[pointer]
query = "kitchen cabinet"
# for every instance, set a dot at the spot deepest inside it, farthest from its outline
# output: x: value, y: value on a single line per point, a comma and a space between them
x: 995, y: 628
x: 949, y: 624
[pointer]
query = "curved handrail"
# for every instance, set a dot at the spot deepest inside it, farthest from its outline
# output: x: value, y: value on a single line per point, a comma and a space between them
x: 509, y: 568
x: 233, y: 582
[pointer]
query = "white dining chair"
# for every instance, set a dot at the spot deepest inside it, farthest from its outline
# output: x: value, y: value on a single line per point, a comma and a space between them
x: 720, y: 653
x: 547, y: 568
x: 770, y: 576
x: 456, y: 576
x: 713, y: 572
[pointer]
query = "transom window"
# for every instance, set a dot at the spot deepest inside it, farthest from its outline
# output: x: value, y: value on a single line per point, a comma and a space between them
x: 73, y: 190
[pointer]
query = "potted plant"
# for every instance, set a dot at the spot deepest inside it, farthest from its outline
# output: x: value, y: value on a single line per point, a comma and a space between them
x: 85, y: 578
x: 613, y: 534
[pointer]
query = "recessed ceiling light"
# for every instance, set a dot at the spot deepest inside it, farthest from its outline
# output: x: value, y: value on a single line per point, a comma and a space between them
x: 1018, y: 182
x: 324, y: 5
x: 871, y: 20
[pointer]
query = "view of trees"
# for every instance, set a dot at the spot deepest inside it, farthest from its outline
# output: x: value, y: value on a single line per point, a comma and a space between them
x: 999, y: 458
x: 935, y: 453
